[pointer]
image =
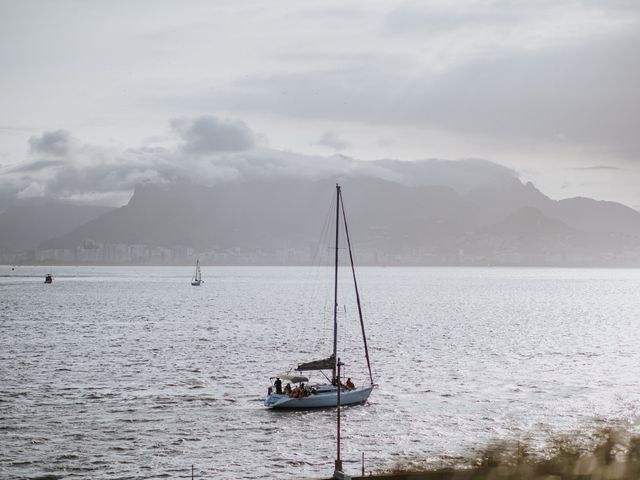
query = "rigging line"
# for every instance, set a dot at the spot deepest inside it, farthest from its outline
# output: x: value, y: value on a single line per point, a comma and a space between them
x: 355, y: 284
x: 315, y: 274
x: 324, y: 274
x: 324, y: 233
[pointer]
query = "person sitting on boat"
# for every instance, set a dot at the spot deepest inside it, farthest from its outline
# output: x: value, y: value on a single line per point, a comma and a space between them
x: 278, y: 385
x: 287, y: 389
x: 350, y: 384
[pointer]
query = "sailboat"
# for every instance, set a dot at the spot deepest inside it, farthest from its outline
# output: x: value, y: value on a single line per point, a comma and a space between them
x: 325, y: 395
x: 197, y: 276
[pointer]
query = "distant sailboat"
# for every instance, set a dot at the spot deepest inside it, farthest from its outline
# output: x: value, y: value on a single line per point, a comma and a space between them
x: 197, y: 276
x: 325, y: 394
x: 48, y: 278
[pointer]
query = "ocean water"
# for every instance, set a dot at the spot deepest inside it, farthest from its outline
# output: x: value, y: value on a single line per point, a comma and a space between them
x: 123, y: 372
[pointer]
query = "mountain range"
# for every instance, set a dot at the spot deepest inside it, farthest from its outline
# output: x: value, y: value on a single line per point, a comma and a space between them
x: 25, y: 225
x: 480, y: 214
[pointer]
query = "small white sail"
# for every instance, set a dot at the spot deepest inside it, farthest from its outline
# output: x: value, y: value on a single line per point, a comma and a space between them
x: 197, y: 277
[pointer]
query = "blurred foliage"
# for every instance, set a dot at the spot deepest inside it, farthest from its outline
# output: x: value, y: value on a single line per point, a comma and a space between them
x: 606, y: 454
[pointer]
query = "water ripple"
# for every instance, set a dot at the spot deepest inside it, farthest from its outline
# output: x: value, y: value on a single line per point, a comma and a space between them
x: 132, y: 373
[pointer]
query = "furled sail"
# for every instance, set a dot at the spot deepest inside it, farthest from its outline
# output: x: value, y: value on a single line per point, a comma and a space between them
x: 324, y: 364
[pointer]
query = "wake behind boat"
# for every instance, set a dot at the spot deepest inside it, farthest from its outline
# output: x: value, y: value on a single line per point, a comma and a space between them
x: 303, y: 395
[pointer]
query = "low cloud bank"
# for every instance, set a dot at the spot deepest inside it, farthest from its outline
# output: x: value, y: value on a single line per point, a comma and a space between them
x: 208, y: 150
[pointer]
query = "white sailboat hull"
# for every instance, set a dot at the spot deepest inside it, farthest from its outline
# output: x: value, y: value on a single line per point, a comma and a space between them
x: 325, y: 398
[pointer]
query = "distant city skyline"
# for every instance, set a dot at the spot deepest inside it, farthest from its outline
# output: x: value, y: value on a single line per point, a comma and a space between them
x: 100, y: 96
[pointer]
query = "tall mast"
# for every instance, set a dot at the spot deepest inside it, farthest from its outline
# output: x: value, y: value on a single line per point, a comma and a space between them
x: 335, y: 287
x: 355, y: 284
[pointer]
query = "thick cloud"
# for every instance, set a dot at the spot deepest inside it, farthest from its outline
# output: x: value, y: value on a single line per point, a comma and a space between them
x: 209, y: 151
x: 57, y: 143
x: 32, y: 167
x: 516, y: 73
x: 569, y: 96
x: 598, y: 168
x: 103, y: 175
x: 333, y: 140
x: 461, y: 175
x: 543, y: 85
x: 86, y: 173
x: 583, y: 94
x: 207, y: 134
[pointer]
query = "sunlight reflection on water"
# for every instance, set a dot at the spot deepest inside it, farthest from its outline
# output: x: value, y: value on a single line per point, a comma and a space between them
x: 131, y: 372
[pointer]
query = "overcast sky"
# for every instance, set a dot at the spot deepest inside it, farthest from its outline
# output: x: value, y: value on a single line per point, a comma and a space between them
x: 95, y: 96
